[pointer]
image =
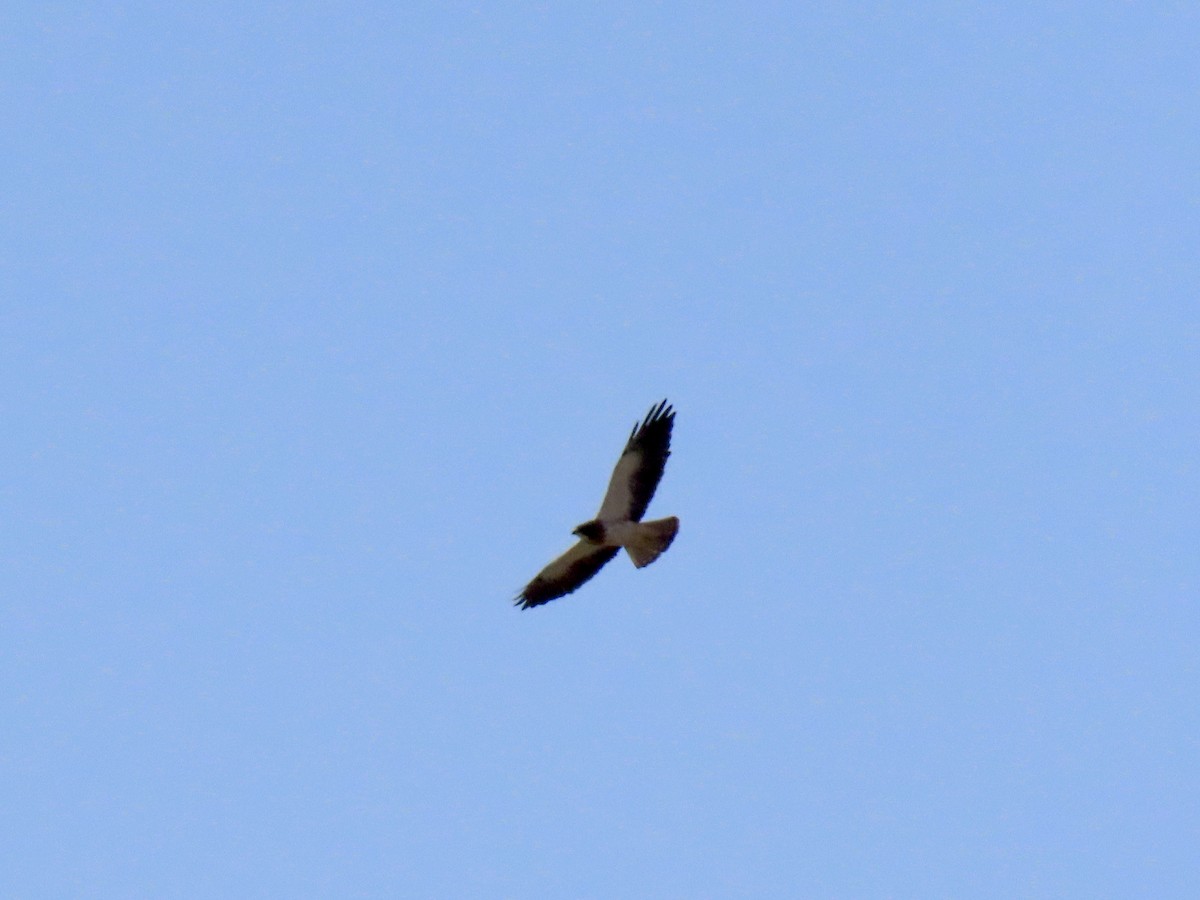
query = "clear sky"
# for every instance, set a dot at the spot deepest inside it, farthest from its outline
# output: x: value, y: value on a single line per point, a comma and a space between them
x: 324, y: 323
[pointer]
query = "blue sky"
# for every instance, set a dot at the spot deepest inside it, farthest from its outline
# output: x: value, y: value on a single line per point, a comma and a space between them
x: 323, y: 325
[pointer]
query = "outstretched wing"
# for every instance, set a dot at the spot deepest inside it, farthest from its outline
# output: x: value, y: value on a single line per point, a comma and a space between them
x: 565, y: 574
x: 640, y: 467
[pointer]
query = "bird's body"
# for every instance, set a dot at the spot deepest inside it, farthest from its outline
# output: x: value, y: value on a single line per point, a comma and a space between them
x: 614, y: 533
x: 619, y: 522
x: 643, y: 541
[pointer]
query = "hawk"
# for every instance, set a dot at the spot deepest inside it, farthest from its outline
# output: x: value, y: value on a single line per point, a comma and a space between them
x: 619, y: 522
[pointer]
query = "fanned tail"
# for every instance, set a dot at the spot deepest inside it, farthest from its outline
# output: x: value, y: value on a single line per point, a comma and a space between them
x: 651, y: 540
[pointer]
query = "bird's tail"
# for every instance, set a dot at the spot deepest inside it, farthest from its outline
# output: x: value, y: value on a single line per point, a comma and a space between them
x: 651, y: 539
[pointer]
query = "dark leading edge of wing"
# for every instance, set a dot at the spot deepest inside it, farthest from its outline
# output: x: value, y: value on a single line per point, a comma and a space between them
x: 653, y: 441
x: 543, y: 590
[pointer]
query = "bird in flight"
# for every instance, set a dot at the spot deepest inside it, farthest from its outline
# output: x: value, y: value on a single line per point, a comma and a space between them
x: 619, y: 522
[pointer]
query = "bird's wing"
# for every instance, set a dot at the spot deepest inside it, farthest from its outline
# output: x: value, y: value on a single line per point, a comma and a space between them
x: 565, y: 574
x: 640, y: 467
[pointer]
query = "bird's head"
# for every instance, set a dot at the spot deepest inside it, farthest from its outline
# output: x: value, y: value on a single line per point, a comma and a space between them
x: 591, y: 531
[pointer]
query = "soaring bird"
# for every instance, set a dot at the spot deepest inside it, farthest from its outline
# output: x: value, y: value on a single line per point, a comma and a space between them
x: 619, y: 522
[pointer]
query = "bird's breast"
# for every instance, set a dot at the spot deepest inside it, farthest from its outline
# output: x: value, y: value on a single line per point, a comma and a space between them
x: 618, y: 534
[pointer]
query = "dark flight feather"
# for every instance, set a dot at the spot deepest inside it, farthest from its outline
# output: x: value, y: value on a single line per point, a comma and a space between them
x: 653, y: 441
x: 543, y: 590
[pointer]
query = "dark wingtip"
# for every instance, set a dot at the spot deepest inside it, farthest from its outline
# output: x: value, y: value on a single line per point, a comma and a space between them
x: 664, y: 411
x: 661, y: 410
